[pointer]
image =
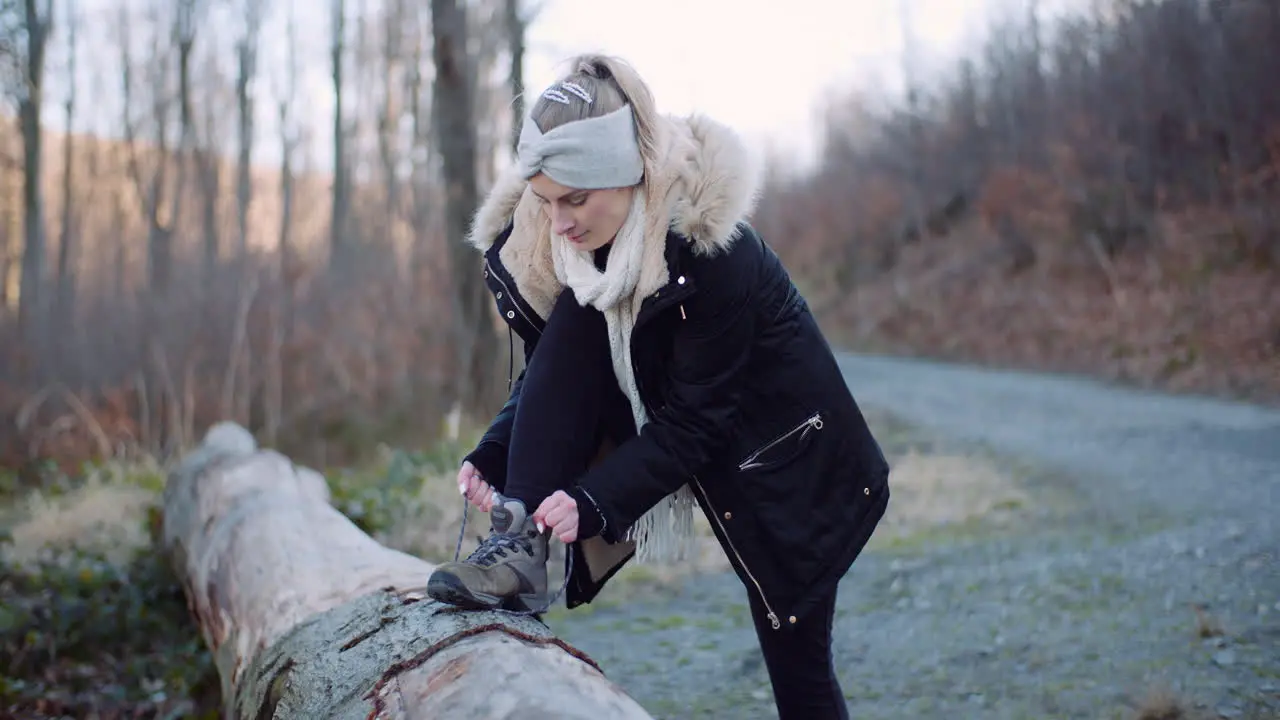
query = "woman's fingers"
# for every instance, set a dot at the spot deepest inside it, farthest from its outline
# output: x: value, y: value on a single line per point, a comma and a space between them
x: 472, y: 486
x: 560, y: 513
x: 567, y: 531
x: 468, y: 478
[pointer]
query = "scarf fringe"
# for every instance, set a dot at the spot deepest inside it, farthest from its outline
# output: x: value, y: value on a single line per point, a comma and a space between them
x: 665, y: 534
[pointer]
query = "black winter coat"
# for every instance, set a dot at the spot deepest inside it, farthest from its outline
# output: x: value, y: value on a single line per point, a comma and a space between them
x: 746, y: 401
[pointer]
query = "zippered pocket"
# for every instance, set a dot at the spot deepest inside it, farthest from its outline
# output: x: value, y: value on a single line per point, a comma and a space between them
x: 800, y: 434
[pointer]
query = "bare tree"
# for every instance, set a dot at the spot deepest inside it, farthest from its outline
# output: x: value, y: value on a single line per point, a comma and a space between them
x: 198, y: 144
x: 912, y: 146
x: 287, y: 92
x: 391, y: 108
x: 421, y: 148
x: 246, y: 70
x: 282, y: 310
x: 455, y: 131
x: 338, y: 238
x: 151, y: 183
x: 516, y: 25
x: 69, y: 232
x: 38, y: 25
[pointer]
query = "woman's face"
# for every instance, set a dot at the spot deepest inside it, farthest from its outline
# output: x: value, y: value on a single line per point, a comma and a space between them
x: 589, y: 219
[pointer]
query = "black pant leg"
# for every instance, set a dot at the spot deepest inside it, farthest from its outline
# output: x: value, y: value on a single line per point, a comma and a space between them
x: 569, y: 402
x: 800, y: 664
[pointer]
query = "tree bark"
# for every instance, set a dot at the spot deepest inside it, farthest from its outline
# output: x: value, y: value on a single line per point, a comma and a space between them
x: 309, y: 617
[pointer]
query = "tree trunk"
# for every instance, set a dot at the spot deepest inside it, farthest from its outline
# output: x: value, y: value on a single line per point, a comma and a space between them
x: 65, y: 297
x: 31, y: 303
x: 515, y: 26
x: 476, y: 342
x: 339, y: 253
x: 247, y: 69
x: 309, y: 617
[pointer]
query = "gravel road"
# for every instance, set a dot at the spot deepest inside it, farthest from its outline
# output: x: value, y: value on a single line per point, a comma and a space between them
x: 1146, y: 560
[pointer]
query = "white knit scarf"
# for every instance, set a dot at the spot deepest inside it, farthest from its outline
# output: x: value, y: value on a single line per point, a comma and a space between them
x: 665, y: 532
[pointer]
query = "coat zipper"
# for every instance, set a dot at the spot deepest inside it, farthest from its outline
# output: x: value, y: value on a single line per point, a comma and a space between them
x: 773, y: 617
x: 814, y: 422
x: 514, y: 304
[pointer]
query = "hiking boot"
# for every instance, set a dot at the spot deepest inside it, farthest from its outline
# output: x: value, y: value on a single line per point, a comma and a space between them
x: 508, y: 570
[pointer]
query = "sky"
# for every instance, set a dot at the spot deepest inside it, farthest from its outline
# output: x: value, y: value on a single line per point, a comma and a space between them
x: 764, y: 67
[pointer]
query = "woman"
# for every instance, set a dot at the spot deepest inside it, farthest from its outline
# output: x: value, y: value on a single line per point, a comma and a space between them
x: 669, y: 360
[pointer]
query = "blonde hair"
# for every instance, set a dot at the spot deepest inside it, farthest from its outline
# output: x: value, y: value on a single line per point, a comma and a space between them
x: 612, y: 84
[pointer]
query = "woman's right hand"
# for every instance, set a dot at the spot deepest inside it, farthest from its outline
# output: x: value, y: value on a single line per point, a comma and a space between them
x: 472, y: 486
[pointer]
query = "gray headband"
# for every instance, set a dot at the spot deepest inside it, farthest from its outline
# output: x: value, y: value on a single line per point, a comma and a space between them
x: 599, y: 152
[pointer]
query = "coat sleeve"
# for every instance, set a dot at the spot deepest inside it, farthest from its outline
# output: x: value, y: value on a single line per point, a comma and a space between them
x: 490, y: 454
x: 711, y: 348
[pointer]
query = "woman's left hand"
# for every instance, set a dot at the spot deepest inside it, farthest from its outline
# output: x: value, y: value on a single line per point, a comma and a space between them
x: 560, y: 513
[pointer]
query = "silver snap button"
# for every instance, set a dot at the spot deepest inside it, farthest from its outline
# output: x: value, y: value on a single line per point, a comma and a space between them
x: 866, y: 491
x: 499, y: 294
x: 511, y: 313
x: 680, y: 279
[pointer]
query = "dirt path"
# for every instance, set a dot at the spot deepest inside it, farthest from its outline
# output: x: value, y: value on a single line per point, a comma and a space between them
x: 1111, y: 544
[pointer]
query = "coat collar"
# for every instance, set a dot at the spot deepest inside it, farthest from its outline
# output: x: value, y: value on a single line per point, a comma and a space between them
x: 706, y: 184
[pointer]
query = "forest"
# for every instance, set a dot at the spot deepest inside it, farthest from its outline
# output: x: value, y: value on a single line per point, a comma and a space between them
x: 1093, y: 192
x: 1098, y: 194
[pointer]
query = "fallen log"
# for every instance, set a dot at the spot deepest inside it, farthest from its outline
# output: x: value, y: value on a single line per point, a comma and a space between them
x: 309, y: 617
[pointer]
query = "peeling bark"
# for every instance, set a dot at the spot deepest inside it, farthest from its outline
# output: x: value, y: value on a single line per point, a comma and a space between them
x: 309, y: 617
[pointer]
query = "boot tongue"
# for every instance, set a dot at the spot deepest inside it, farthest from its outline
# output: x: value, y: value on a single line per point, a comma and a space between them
x: 508, y: 517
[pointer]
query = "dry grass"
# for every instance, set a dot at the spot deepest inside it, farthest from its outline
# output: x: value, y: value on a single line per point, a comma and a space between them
x: 427, y: 524
x: 1207, y: 624
x: 936, y: 491
x: 929, y: 492
x: 1162, y: 703
x: 107, y: 515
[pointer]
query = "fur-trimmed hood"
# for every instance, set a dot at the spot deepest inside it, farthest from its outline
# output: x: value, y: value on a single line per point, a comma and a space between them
x: 704, y: 183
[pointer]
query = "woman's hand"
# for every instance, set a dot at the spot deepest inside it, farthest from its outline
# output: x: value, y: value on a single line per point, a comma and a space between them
x: 560, y: 513
x: 473, y: 487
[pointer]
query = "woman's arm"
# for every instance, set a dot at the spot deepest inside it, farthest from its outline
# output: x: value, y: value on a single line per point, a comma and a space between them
x: 490, y: 454
x: 704, y: 380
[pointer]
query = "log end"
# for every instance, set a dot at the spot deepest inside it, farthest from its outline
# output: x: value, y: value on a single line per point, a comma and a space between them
x: 229, y: 438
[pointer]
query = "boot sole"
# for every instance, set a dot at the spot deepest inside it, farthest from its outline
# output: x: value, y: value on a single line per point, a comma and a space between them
x: 450, y: 590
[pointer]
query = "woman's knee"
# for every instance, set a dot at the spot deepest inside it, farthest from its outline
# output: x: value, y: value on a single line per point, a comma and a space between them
x: 573, y: 326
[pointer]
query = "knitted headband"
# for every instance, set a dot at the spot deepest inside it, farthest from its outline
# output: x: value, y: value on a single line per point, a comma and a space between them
x: 599, y: 152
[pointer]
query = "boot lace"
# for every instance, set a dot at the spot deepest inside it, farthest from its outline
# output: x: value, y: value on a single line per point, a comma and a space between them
x: 499, y: 545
